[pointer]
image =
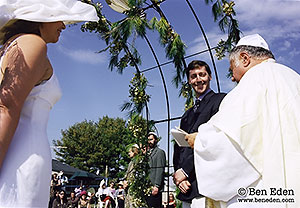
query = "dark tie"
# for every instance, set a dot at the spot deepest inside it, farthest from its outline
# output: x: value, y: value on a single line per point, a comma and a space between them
x: 197, y: 104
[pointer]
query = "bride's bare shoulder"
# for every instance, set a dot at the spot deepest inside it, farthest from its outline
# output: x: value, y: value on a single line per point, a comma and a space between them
x: 32, y: 45
x: 29, y: 48
x: 33, y: 49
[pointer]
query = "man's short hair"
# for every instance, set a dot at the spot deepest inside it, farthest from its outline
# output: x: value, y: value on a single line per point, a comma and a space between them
x: 197, y: 64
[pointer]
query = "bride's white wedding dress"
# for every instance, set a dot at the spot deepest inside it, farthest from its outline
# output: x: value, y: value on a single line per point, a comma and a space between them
x: 26, y: 172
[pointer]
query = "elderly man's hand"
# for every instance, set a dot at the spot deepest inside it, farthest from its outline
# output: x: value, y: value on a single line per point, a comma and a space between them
x: 190, y: 138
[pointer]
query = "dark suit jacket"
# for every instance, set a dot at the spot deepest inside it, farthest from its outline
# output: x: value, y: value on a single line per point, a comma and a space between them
x: 190, y: 121
x: 157, y: 163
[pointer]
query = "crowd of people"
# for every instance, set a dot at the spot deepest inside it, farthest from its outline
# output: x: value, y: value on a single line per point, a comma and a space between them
x: 112, y: 196
x: 86, y: 197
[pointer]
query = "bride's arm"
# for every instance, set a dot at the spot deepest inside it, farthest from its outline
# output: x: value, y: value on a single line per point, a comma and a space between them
x: 24, y: 65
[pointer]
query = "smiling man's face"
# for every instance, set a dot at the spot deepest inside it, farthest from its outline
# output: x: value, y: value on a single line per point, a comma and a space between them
x: 200, y: 80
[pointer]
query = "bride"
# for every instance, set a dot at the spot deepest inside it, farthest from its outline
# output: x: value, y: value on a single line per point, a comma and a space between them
x: 28, y: 90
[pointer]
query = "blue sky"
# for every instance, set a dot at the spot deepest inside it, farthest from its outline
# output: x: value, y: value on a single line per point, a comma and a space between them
x: 91, y: 90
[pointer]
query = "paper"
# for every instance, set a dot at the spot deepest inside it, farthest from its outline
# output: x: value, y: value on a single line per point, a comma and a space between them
x: 179, y: 136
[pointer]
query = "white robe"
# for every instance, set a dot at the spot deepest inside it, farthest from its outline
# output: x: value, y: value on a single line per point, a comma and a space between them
x: 253, y: 139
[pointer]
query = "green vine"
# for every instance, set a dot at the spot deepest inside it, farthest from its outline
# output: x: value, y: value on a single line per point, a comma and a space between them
x: 187, y: 92
x: 174, y: 46
x: 224, y: 12
x: 139, y: 182
x: 137, y: 95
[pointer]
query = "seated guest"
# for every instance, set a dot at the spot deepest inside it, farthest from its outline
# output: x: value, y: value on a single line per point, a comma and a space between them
x: 60, y: 201
x: 83, y: 201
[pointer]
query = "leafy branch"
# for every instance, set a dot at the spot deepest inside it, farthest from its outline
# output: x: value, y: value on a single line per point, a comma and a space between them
x: 224, y: 12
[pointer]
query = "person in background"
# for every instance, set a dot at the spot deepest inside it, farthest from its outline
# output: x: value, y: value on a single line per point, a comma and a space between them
x: 73, y: 200
x: 92, y: 199
x: 28, y: 91
x: 83, y: 201
x: 172, y: 202
x: 78, y: 191
x: 55, y: 182
x: 120, y: 194
x: 61, y: 200
x: 112, y: 194
x: 133, y: 151
x: 63, y: 180
x: 206, y: 105
x: 104, y: 195
x: 54, y: 188
x: 157, y: 163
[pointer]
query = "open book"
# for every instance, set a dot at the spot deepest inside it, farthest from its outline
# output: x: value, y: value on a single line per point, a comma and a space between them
x: 179, y: 136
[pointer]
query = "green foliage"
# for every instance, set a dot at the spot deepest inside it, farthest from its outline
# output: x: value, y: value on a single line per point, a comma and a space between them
x: 101, y: 27
x: 137, y: 95
x: 91, y: 146
x: 224, y: 12
x: 139, y: 181
x: 187, y: 92
x: 178, y: 202
x: 139, y: 127
x: 174, y: 46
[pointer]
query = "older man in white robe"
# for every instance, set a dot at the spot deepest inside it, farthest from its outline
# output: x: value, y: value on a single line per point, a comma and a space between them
x: 248, y: 154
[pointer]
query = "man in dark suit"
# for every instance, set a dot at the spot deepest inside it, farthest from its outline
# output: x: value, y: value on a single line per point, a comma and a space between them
x: 157, y: 163
x: 206, y: 105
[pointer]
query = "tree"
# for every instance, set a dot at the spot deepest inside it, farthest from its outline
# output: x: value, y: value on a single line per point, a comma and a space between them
x: 92, y: 146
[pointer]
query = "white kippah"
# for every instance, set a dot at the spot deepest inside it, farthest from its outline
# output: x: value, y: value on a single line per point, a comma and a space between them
x: 253, y: 40
x: 68, y: 11
x: 136, y: 146
x: 154, y: 134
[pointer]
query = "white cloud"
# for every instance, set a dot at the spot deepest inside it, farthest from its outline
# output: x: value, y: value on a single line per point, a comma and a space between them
x: 286, y: 45
x: 84, y: 55
x: 199, y: 43
x: 256, y: 11
x: 273, y: 19
x: 289, y: 57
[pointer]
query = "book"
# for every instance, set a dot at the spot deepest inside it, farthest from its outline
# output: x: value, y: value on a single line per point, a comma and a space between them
x: 179, y: 136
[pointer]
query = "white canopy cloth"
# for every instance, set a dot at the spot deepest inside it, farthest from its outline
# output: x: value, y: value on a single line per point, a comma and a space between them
x: 260, y: 118
x: 68, y: 11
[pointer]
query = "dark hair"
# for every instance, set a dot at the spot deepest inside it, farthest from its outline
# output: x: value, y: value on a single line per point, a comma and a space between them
x: 21, y: 26
x: 65, y: 200
x: 197, y: 64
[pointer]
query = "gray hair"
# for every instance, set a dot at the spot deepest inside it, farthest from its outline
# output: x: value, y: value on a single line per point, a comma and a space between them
x: 258, y: 53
